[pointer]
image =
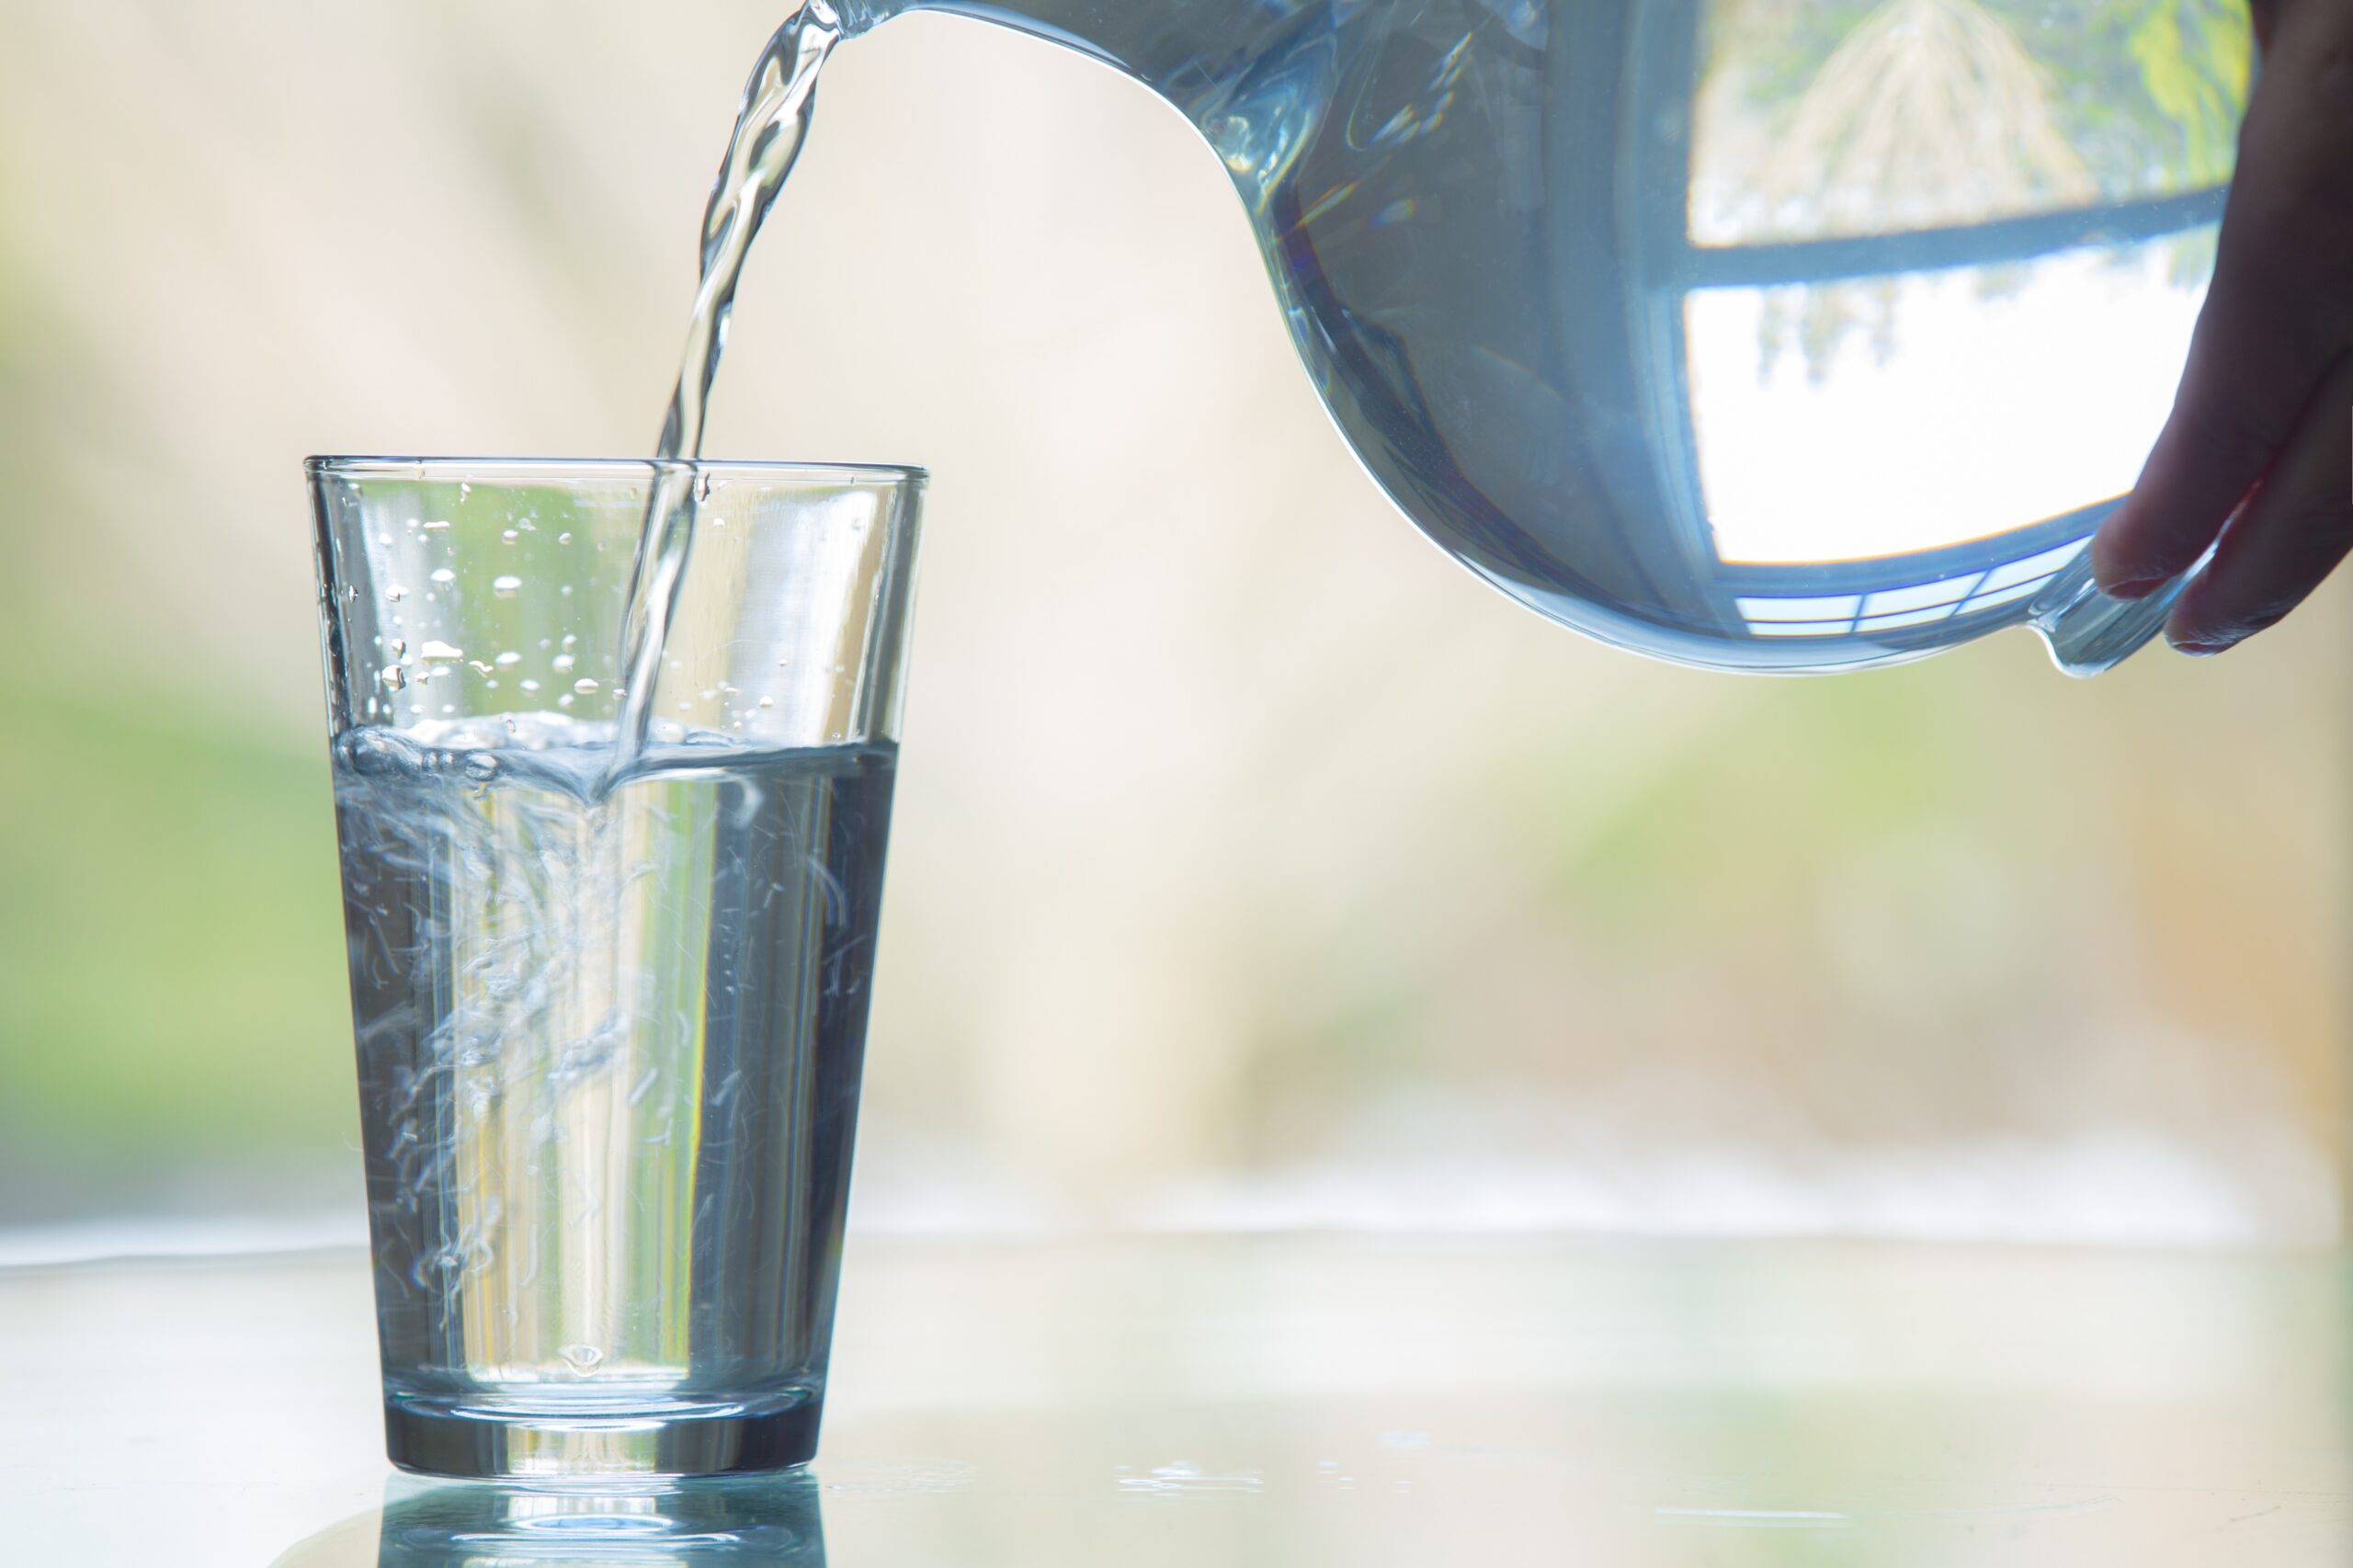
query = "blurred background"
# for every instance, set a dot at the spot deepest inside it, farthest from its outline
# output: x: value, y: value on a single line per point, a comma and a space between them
x: 1254, y: 865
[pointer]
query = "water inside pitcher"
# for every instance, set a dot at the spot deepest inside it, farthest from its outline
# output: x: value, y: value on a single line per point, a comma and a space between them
x: 1758, y: 335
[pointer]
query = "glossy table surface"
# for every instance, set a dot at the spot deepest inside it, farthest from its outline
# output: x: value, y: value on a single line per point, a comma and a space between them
x: 1280, y: 1399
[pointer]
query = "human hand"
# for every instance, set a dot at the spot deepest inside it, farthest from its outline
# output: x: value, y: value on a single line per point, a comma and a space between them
x: 2258, y: 449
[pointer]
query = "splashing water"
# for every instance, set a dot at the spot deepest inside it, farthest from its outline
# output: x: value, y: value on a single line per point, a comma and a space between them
x: 770, y: 126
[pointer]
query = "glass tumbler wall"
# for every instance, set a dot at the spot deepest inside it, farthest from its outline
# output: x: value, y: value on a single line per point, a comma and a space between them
x: 609, y: 1003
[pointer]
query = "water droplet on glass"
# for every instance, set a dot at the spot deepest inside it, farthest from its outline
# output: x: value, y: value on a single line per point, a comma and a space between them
x: 584, y: 685
x: 395, y: 593
x: 464, y: 489
x: 561, y: 663
x: 564, y: 538
x: 582, y: 1359
x: 437, y: 650
x: 569, y: 638
x: 444, y: 576
x: 703, y: 488
x: 509, y: 658
x: 768, y: 702
x: 436, y: 524
x: 481, y: 764
x: 564, y: 701
x: 511, y: 535
x: 411, y: 525
x: 400, y: 646
x: 393, y: 676
x: 565, y: 590
x: 529, y: 684
x: 506, y: 587
x: 480, y: 668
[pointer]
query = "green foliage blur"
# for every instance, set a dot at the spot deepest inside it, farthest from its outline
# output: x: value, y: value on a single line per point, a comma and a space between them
x: 171, y: 994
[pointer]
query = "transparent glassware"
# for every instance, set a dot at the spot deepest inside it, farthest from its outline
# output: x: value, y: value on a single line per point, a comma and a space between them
x: 609, y: 1016
x: 1756, y: 335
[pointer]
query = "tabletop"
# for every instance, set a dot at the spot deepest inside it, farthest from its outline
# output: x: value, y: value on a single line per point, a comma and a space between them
x: 1281, y: 1399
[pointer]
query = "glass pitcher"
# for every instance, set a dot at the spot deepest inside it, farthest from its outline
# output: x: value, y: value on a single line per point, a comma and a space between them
x: 1758, y: 335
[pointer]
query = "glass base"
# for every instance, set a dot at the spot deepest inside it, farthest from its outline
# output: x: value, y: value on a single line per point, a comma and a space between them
x: 473, y: 1440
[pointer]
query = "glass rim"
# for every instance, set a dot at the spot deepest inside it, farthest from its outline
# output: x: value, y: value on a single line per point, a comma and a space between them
x: 489, y: 469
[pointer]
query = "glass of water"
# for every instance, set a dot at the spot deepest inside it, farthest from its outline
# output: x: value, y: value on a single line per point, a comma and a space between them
x: 611, y: 1002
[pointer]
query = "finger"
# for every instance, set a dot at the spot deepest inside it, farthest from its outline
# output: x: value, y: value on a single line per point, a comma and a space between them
x: 2278, y: 312
x: 2292, y: 535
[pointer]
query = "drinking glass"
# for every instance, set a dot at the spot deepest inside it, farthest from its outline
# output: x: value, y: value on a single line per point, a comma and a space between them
x: 609, y: 1003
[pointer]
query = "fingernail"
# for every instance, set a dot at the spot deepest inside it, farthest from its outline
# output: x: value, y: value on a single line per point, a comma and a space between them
x: 2204, y: 648
x: 2134, y: 588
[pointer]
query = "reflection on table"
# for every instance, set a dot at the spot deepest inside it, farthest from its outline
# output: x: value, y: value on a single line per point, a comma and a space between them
x: 1283, y: 1401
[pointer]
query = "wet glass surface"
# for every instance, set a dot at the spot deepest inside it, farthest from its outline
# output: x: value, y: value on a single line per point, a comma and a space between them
x: 1283, y: 1399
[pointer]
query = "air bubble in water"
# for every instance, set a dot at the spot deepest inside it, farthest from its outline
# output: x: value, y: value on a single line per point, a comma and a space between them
x: 582, y: 1359
x: 507, y: 658
x: 506, y: 587
x: 511, y: 535
x: 564, y: 701
x: 768, y: 702
x: 569, y: 638
x: 529, y: 685
x: 444, y: 576
x: 584, y: 685
x: 436, y: 524
x: 564, y: 538
x: 481, y: 764
x: 561, y: 663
